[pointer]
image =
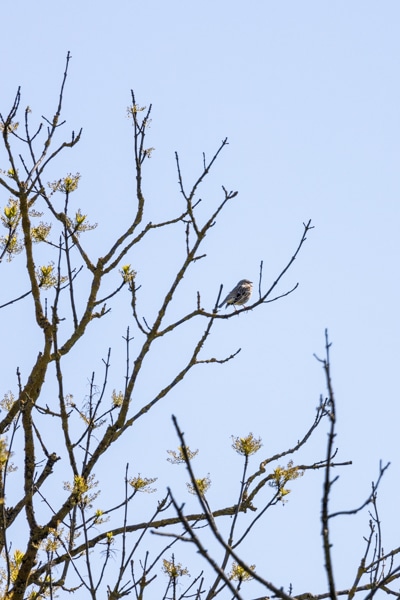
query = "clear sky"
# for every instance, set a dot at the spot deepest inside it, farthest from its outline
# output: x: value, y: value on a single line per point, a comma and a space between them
x: 308, y: 94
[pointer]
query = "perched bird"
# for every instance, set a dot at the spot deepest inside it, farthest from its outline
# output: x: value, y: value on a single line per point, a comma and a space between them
x: 240, y: 294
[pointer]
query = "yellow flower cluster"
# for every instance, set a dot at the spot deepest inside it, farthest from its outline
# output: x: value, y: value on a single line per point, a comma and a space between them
x: 117, y: 398
x: 281, y: 476
x: 81, y: 487
x: 179, y: 457
x: 47, y: 278
x: 203, y: 485
x: 128, y: 274
x: 238, y: 573
x: 173, y: 569
x: 142, y: 484
x: 67, y: 185
x: 246, y: 445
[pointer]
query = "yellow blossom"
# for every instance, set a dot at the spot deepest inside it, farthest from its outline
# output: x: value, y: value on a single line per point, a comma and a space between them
x: 98, y: 517
x: 11, y: 213
x: 11, y: 245
x: 238, y: 573
x: 179, y: 457
x: 117, y: 398
x: 142, y: 484
x: 70, y: 183
x: 40, y: 233
x: 134, y: 109
x: 12, y: 174
x: 47, y: 278
x: 173, y: 569
x: 110, y: 537
x: 203, y: 485
x: 80, y: 488
x: 281, y: 476
x: 128, y: 274
x: 15, y: 563
x: 4, y: 452
x: 246, y: 445
x: 7, y: 401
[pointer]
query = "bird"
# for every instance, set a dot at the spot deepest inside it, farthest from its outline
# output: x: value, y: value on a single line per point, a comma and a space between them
x: 240, y: 294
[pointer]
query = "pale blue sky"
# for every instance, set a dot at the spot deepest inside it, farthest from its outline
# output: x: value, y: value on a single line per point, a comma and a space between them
x: 308, y: 94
